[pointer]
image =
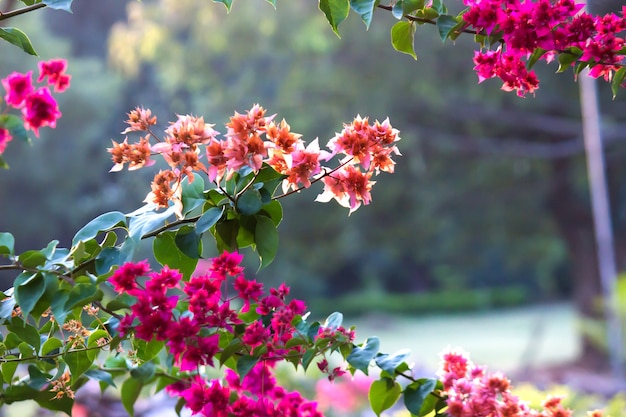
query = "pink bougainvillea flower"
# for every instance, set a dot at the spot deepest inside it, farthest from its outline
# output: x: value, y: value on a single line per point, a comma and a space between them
x: 5, y: 138
x: 54, y: 71
x: 40, y: 109
x: 18, y: 87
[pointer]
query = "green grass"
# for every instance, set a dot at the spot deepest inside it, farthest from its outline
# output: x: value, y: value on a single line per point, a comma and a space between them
x: 506, y: 340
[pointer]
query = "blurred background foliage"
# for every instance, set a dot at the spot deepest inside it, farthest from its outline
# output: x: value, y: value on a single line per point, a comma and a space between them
x: 489, y: 203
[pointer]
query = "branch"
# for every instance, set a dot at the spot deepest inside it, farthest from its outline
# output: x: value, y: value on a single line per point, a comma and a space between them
x: 23, y: 10
x: 169, y: 226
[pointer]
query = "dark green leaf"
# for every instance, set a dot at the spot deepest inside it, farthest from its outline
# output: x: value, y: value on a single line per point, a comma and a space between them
x: 25, y: 332
x: 29, y: 288
x: 365, y: 9
x: 336, y: 11
x: 250, y: 202
x: 188, y: 241
x: 17, y: 38
x: 101, y: 376
x: 82, y: 294
x: 415, y: 393
x: 536, y: 55
x: 8, y: 368
x: 143, y: 373
x: 361, y: 356
x: 266, y: 239
x: 103, y: 222
x: 32, y: 259
x: 307, y: 358
x: 402, y: 38
x: 244, y: 364
x: 446, y: 24
x: 130, y: 392
x: 383, y: 394
x: 208, y: 219
x: 59, y: 4
x: 38, y: 379
x: 226, y: 235
x: 565, y: 61
x: 58, y: 307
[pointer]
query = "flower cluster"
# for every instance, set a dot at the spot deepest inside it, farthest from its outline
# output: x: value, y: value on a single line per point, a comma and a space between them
x: 552, y: 27
x: 254, y: 141
x: 261, y: 324
x: 473, y: 392
x: 37, y: 105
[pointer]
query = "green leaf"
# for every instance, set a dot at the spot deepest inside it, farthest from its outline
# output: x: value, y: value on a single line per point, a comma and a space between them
x: 130, y: 392
x: 336, y: 11
x: 59, y: 4
x: 446, y: 24
x: 188, y: 241
x: 250, y: 202
x: 208, y: 219
x: 245, y: 232
x: 334, y: 321
x: 383, y: 394
x: 166, y: 252
x: 272, y: 2
x: 266, y: 239
x: 103, y: 222
x: 32, y: 259
x: 192, y: 195
x: 8, y: 369
x: 58, y: 307
x: 534, y: 57
x: 92, y: 342
x: 146, y: 351
x: 402, y: 38
x: 37, y: 379
x: 29, y: 288
x: 365, y: 9
x: 409, y: 6
x: 7, y: 243
x: 226, y: 235
x: 439, y: 7
x: 361, y: 356
x: 145, y: 221
x: 15, y: 125
x: 416, y: 393
x: 82, y: 294
x: 227, y: 3
x: 389, y: 363
x: 566, y: 60
x: 101, y: 376
x: 52, y: 345
x: 244, y: 364
x: 78, y: 361
x: 618, y: 78
x: 25, y: 332
x: 274, y: 210
x: 143, y: 373
x: 397, y: 10
x: 17, y: 38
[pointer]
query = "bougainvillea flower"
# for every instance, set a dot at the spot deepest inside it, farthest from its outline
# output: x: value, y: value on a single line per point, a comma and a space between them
x: 18, y: 87
x: 5, y: 138
x: 40, y: 109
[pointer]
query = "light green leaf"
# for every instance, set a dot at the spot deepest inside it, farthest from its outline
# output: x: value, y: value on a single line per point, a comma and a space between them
x: 166, y: 252
x: 334, y: 321
x: 336, y: 11
x: 59, y: 4
x: 266, y: 239
x: 272, y: 2
x: 7, y: 243
x: 618, y: 79
x: 146, y: 351
x: 383, y: 394
x: 365, y: 9
x: 566, y: 60
x: 361, y: 356
x: 273, y: 210
x: 103, y: 222
x: 192, y: 195
x: 402, y: 38
x: 142, y: 222
x: 25, y: 332
x: 389, y: 363
x: 78, y: 361
x: 15, y: 125
x: 17, y: 38
x: 51, y: 346
x: 143, y: 373
x: 409, y: 6
x: 227, y: 3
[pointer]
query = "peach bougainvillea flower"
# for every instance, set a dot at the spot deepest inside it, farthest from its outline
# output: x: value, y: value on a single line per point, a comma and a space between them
x: 139, y: 120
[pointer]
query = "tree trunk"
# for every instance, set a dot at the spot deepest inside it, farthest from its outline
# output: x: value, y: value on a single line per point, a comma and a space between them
x: 572, y: 214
